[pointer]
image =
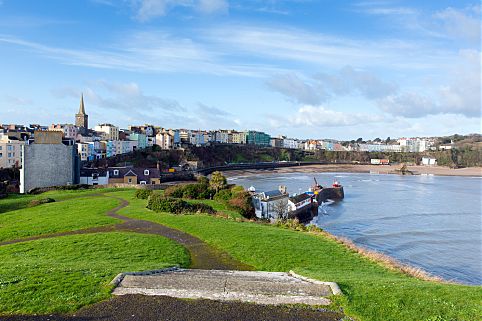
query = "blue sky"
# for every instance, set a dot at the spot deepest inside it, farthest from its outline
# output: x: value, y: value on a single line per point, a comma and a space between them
x: 307, y: 69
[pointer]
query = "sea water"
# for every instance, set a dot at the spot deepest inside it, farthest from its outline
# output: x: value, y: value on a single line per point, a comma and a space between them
x: 431, y: 222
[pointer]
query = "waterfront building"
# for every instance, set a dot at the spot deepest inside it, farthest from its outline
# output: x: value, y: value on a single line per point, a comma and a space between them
x: 140, y: 139
x: 291, y: 143
x: 276, y: 142
x: 10, y: 151
x: 107, y: 131
x: 70, y: 131
x: 257, y: 138
x: 239, y: 137
x: 81, y: 118
x: 270, y: 204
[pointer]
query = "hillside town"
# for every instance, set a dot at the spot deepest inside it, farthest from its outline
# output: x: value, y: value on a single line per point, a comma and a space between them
x: 107, y: 140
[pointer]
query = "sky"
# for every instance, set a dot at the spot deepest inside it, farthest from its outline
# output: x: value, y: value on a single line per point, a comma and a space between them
x: 301, y: 68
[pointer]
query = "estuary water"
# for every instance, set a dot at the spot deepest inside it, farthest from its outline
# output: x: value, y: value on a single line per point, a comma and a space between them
x: 431, y: 222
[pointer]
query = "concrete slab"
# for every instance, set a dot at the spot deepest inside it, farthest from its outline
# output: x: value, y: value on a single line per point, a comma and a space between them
x: 222, y: 285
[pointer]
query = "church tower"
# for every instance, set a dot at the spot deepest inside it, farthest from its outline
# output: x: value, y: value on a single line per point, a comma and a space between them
x: 82, y: 119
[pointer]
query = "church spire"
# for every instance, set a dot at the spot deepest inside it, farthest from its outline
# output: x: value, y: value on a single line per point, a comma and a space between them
x: 81, y: 108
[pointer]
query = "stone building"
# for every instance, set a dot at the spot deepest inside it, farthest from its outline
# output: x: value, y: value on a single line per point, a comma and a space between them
x: 49, y: 162
x: 81, y: 118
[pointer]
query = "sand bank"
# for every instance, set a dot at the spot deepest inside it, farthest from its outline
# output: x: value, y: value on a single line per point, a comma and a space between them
x: 347, y: 168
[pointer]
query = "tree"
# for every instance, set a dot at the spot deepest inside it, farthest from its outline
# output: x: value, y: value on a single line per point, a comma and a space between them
x: 377, y: 140
x: 218, y: 181
x: 281, y: 209
x: 387, y: 140
x: 359, y: 140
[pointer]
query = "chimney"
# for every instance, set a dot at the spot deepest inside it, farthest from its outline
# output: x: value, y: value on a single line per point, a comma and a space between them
x: 282, y: 189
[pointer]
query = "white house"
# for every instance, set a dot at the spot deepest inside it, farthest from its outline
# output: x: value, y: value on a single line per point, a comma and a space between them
x: 268, y: 205
x: 94, y: 176
x: 298, y: 202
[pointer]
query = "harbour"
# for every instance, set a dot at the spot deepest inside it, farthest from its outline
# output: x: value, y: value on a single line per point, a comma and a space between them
x: 430, y: 222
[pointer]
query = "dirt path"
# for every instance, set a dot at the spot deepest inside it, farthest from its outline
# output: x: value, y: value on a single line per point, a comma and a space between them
x: 203, y: 256
x: 140, y: 307
x: 149, y: 308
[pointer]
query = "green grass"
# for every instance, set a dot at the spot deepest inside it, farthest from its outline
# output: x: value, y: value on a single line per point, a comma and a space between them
x: 72, y: 214
x: 18, y: 201
x: 372, y: 292
x: 218, y: 206
x: 65, y: 273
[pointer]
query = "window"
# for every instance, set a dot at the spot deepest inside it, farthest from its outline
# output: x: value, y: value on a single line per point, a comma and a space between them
x: 9, y: 147
x: 146, y: 172
x: 1, y: 155
x: 129, y: 180
x: 116, y: 172
x: 9, y: 154
x: 143, y: 183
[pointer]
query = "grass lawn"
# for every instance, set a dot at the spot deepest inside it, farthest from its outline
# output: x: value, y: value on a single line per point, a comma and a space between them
x: 65, y: 273
x: 19, y: 201
x: 372, y: 292
x: 68, y: 215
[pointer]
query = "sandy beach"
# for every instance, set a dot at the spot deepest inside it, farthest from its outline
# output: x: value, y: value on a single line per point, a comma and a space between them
x: 380, y: 169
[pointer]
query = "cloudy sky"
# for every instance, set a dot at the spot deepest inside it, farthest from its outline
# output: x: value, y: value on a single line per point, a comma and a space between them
x: 303, y: 68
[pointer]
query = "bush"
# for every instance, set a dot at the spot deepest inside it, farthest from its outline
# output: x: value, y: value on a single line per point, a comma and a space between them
x: 143, y: 194
x: 192, y: 191
x: 40, y: 201
x: 174, y: 191
x: 160, y: 203
x: 236, y: 190
x: 223, y: 195
x: 242, y: 203
x: 203, y: 180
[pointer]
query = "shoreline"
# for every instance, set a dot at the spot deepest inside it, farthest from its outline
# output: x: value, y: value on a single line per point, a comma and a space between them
x: 348, y: 168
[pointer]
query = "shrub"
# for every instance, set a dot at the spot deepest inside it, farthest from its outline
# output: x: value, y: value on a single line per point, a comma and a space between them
x: 192, y: 191
x: 174, y: 191
x: 41, y: 201
x: 236, y: 190
x: 159, y: 203
x: 223, y: 195
x: 242, y: 203
x: 143, y: 194
x: 203, y: 180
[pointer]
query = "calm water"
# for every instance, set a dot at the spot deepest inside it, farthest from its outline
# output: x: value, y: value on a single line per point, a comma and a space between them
x: 432, y: 222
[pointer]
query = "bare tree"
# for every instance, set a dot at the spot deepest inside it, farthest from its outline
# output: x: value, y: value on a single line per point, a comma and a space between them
x: 281, y: 209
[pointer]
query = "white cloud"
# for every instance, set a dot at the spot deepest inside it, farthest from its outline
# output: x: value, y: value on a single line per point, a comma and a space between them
x: 461, y: 96
x: 460, y: 23
x: 17, y: 101
x: 296, y: 89
x: 309, y: 116
x: 323, y: 86
x: 150, y: 9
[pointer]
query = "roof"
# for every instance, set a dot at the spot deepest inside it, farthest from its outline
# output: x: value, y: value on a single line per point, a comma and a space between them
x: 81, y: 107
x: 300, y: 198
x: 88, y: 172
x: 273, y: 193
x: 134, y: 171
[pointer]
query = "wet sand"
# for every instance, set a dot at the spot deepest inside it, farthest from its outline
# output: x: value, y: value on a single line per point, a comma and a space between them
x: 347, y: 168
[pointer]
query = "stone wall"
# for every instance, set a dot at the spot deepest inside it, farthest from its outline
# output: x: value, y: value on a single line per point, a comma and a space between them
x: 45, y: 165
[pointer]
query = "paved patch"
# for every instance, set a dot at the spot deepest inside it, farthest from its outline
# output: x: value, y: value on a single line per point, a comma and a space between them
x: 221, y: 285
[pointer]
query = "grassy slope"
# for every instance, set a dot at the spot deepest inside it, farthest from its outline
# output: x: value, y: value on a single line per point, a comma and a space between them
x: 371, y: 291
x: 63, y: 216
x: 64, y: 273
x: 16, y: 201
